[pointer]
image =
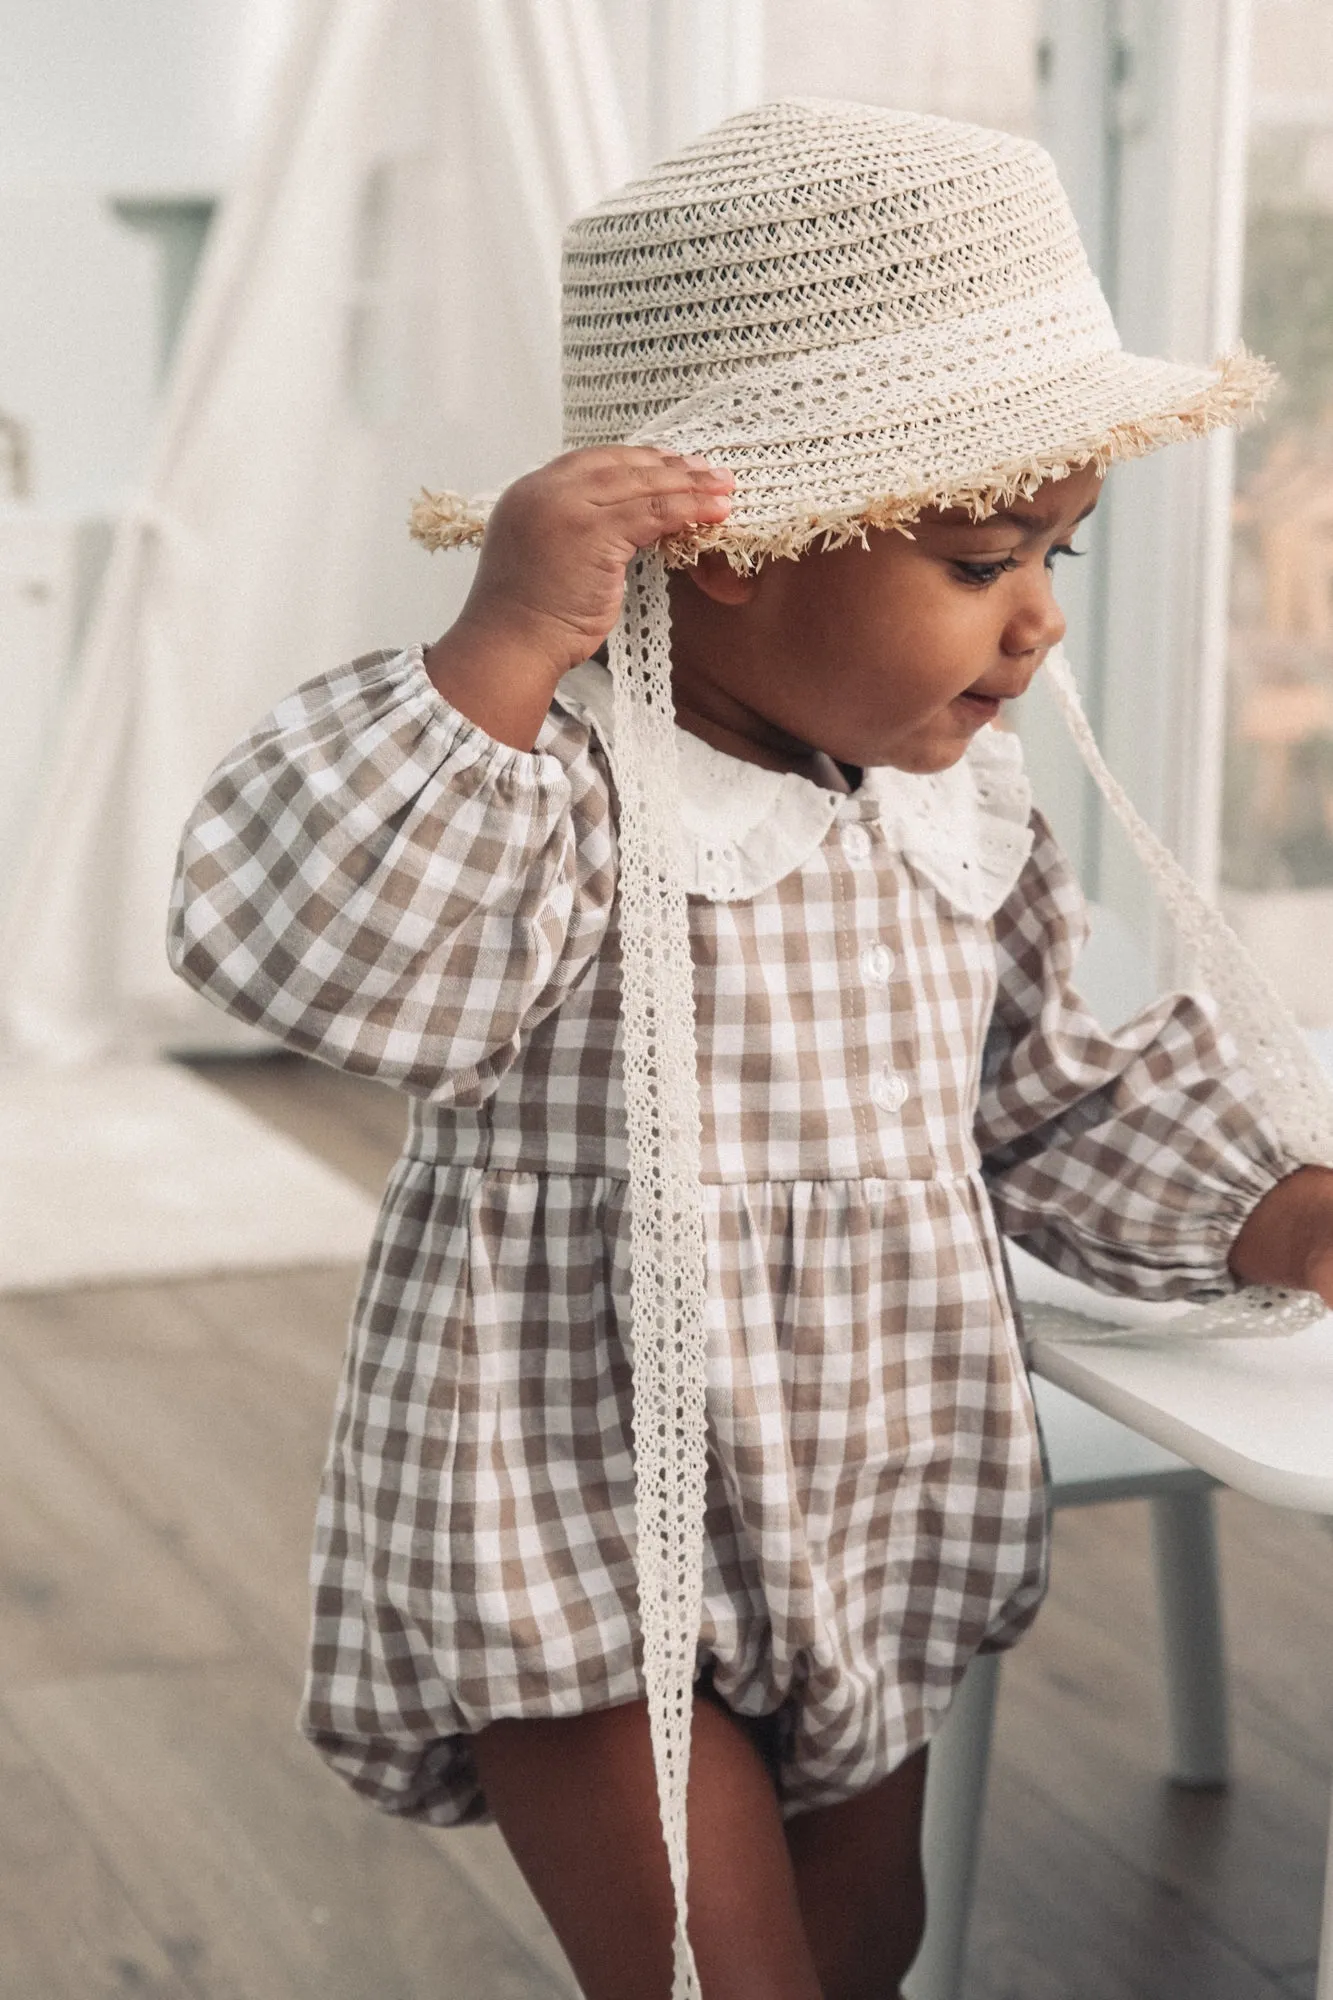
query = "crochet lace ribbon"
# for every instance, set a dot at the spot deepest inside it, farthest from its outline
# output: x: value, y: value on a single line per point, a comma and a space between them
x: 1295, y: 1092
x: 666, y: 1218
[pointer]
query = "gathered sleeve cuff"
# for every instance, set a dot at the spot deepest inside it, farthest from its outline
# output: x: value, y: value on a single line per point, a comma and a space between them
x: 1129, y: 1159
x: 377, y: 882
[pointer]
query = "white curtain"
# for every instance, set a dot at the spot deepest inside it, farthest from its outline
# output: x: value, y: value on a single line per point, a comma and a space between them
x: 378, y: 309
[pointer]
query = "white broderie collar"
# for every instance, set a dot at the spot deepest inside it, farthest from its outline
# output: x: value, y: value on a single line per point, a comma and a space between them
x: 965, y: 830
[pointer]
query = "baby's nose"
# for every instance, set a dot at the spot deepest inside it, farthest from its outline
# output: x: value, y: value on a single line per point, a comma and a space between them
x: 1055, y: 627
x: 1034, y: 630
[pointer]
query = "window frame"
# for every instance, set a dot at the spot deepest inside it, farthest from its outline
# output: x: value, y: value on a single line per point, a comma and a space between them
x: 1145, y: 108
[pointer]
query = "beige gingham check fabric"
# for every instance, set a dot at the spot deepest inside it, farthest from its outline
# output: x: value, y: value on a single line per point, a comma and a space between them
x: 884, y: 1076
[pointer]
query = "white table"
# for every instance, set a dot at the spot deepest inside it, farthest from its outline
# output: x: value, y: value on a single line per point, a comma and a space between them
x: 1257, y: 1414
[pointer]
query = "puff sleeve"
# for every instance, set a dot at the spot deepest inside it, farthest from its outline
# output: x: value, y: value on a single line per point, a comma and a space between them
x: 375, y: 881
x: 1126, y: 1159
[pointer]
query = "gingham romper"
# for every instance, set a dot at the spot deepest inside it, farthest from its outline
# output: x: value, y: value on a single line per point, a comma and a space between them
x: 893, y: 1066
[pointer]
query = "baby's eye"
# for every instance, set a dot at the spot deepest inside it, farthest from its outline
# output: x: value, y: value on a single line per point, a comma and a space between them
x: 1061, y: 549
x: 985, y: 572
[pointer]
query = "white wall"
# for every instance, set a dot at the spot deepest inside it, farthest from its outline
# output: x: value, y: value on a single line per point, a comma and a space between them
x: 101, y: 98
x: 971, y: 59
x: 78, y: 338
x: 132, y: 94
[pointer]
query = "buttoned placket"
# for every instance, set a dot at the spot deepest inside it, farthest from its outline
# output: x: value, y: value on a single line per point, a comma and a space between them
x: 888, y: 1089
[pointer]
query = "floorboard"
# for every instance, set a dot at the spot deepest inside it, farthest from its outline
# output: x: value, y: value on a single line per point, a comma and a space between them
x: 215, y: 1454
x: 234, y: 1844
x: 68, y: 1930
x: 160, y: 1448
x: 85, y: 1585
x: 1079, y: 1757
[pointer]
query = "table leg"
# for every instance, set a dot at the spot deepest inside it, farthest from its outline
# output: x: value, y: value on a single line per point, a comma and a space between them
x: 951, y: 1835
x: 1323, y: 1985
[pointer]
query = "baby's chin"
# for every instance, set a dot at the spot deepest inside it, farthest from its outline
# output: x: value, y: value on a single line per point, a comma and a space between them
x: 931, y: 750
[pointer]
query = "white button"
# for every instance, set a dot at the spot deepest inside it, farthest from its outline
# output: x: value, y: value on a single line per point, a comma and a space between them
x: 877, y: 963
x: 856, y: 842
x: 888, y: 1089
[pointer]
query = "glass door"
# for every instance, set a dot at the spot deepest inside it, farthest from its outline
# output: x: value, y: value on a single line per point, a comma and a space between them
x: 1277, y: 812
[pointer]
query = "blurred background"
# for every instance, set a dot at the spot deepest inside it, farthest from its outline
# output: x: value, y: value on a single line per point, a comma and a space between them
x: 268, y: 267
x: 1277, y: 814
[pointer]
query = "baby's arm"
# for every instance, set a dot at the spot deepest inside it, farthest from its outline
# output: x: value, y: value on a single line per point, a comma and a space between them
x: 1139, y: 1161
x: 551, y: 576
x: 1288, y: 1238
x: 386, y: 874
x: 372, y: 880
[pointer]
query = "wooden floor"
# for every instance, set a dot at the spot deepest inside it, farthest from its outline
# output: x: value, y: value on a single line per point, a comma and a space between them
x: 165, y: 1835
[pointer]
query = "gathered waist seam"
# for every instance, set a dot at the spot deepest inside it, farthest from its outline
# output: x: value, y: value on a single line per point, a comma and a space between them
x: 486, y: 1164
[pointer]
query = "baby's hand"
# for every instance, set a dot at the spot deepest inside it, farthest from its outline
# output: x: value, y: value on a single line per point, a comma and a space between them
x: 1288, y: 1238
x: 551, y: 575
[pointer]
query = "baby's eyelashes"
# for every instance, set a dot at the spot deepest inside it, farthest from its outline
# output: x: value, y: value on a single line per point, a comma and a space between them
x: 987, y: 572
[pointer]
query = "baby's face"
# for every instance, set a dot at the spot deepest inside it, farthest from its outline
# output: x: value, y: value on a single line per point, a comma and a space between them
x: 893, y: 654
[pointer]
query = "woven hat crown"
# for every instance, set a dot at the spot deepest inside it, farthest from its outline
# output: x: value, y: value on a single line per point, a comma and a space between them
x: 793, y: 229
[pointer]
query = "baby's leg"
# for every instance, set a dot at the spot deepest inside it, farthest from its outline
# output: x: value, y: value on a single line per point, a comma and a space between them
x: 860, y: 1886
x: 577, y: 1802
x: 831, y: 1908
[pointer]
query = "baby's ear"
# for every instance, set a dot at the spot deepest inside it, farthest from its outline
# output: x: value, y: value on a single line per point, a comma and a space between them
x: 714, y: 577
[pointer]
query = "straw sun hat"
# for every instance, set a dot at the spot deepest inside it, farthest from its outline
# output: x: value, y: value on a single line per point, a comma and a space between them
x: 862, y: 314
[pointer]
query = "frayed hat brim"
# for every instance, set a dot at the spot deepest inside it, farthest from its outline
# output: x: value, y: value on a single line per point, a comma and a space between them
x: 1161, y: 403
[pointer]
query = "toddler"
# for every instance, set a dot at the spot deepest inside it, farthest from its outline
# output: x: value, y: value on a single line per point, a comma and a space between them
x: 845, y: 375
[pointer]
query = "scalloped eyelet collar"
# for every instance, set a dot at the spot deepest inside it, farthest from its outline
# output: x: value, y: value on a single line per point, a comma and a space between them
x: 964, y: 830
